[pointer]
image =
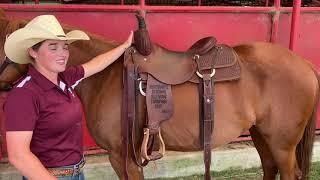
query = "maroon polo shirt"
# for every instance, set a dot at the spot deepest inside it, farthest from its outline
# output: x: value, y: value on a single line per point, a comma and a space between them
x: 52, y: 112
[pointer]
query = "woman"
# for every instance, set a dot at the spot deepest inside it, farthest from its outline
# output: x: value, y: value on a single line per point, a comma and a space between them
x: 43, y: 113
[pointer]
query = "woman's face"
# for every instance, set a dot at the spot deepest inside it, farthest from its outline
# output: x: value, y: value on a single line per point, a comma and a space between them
x: 51, y: 56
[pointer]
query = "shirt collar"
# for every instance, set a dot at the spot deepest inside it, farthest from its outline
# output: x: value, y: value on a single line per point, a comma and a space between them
x: 40, y: 79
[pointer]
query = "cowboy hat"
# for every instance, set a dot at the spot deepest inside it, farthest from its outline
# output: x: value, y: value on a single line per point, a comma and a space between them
x: 38, y: 29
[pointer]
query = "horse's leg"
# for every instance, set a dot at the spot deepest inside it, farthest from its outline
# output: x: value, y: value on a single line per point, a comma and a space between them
x: 286, y: 161
x: 282, y: 145
x: 269, y: 166
x: 134, y: 171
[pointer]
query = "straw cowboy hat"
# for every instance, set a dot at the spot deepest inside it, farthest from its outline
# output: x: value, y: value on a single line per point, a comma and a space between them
x: 38, y: 29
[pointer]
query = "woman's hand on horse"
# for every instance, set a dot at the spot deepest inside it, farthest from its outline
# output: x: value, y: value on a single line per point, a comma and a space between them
x: 102, y: 61
x: 129, y: 40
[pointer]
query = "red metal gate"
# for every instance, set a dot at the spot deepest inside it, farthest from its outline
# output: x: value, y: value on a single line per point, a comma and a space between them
x: 177, y: 27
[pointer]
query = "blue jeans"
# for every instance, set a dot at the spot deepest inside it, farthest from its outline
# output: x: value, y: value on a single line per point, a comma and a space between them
x: 79, y: 176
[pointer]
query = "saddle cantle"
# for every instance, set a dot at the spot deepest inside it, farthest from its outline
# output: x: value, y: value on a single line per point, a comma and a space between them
x: 225, y: 62
x: 203, y: 46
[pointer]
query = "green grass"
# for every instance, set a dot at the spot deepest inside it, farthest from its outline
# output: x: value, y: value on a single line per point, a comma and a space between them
x: 315, y: 171
x: 247, y: 174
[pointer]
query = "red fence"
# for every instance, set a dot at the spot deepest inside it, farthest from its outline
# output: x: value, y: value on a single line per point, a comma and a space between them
x: 178, y: 27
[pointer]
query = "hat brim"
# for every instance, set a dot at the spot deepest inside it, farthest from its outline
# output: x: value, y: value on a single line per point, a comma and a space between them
x: 19, y: 41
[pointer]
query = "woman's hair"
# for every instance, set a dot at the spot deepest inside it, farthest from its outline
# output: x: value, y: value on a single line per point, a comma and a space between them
x: 37, y: 46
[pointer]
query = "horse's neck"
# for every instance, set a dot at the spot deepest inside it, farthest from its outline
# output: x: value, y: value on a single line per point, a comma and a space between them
x: 83, y: 51
x: 8, y: 26
x: 105, y: 85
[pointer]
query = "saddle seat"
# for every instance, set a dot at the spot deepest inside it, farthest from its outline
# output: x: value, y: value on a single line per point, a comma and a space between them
x: 172, y: 67
x: 167, y: 66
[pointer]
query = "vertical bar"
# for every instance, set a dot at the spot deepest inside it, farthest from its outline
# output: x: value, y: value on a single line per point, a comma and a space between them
x: 36, y: 1
x: 275, y: 21
x: 142, y: 10
x: 267, y: 3
x: 142, y: 3
x: 199, y: 3
x: 122, y: 2
x: 295, y: 20
x: 1, y: 143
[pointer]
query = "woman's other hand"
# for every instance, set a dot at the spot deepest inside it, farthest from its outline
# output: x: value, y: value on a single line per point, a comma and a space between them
x: 128, y: 42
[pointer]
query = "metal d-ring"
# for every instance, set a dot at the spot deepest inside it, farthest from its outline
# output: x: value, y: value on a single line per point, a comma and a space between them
x: 140, y: 88
x: 196, y: 57
x: 211, y: 75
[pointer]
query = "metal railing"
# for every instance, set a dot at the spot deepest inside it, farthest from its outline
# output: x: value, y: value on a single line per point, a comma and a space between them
x: 144, y: 5
x: 252, y: 3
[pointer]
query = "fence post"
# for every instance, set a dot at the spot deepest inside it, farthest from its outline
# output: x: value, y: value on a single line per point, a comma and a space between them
x: 295, y: 20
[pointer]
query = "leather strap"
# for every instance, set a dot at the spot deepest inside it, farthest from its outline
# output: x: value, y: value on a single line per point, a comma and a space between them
x: 5, y: 63
x: 208, y: 115
x: 206, y: 67
x: 141, y: 111
x: 132, y: 107
x: 128, y: 112
x: 200, y: 94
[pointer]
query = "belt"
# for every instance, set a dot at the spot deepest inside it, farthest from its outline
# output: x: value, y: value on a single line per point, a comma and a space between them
x: 72, y: 170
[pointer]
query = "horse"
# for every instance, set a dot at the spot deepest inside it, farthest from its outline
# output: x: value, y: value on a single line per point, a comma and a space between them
x: 275, y: 99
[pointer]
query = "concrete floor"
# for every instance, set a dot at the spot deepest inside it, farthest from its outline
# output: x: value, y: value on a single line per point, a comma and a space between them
x: 174, y: 164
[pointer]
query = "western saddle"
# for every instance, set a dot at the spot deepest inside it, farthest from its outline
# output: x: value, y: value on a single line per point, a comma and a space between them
x: 152, y: 70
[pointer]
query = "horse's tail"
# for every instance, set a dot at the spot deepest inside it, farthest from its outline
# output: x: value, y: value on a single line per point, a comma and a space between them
x: 305, y: 146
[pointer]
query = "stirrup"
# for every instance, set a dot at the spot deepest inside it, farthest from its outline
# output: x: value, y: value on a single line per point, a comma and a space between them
x: 144, y: 150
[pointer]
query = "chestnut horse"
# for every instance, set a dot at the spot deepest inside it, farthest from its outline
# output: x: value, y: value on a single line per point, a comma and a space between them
x: 275, y: 99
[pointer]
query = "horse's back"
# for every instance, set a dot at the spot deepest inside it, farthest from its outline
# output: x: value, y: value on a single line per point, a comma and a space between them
x: 277, y: 67
x: 271, y: 77
x: 271, y: 56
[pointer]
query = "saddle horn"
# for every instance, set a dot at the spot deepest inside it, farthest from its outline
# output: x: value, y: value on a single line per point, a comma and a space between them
x: 141, y: 37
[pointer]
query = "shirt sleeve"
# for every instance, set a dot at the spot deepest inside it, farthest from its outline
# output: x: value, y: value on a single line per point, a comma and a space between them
x: 73, y: 75
x: 20, y: 109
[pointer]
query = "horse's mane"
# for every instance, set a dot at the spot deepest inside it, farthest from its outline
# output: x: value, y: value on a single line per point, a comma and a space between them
x: 8, y: 26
